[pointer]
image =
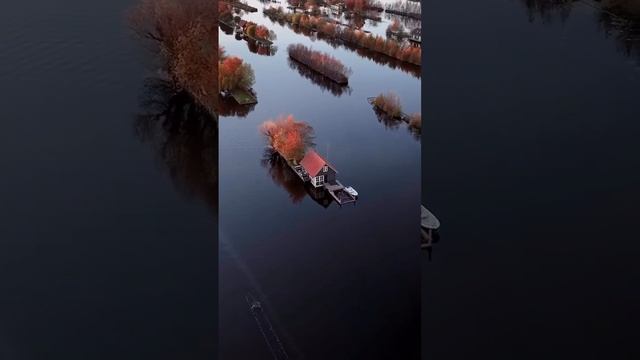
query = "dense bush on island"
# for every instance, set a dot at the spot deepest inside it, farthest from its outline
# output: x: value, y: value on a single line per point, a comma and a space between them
x: 389, y: 103
x: 234, y: 73
x: 415, y: 121
x: 257, y: 32
x: 182, y: 32
x: 321, y: 62
x: 289, y: 137
x: 389, y: 111
x: 389, y: 47
x: 320, y: 80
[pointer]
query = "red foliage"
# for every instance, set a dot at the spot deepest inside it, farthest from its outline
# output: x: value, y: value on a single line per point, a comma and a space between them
x: 289, y: 137
x: 186, y: 35
x: 357, y: 5
x: 234, y: 73
x: 396, y: 49
x: 389, y: 103
x: 262, y: 32
x: 321, y: 62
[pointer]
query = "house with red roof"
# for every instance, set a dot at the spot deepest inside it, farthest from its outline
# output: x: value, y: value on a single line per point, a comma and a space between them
x: 318, y: 169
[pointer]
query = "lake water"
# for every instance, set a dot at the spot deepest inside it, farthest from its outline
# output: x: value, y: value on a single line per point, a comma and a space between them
x: 335, y: 282
x: 531, y: 163
x: 107, y: 245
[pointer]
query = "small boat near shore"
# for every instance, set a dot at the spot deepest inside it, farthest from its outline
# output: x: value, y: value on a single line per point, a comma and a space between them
x: 351, y: 191
x: 429, y: 225
x: 428, y: 220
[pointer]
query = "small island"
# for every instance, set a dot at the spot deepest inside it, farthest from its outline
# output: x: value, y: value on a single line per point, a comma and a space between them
x: 322, y: 63
x: 293, y: 141
x: 388, y: 106
x: 235, y: 79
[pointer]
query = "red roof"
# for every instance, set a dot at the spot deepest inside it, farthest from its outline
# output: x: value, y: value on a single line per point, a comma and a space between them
x: 313, y: 163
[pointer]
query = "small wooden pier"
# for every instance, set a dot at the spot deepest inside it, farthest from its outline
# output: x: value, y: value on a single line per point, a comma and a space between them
x: 337, y: 192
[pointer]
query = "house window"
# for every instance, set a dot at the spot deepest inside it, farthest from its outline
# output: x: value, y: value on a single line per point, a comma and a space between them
x: 319, y: 180
x: 325, y: 168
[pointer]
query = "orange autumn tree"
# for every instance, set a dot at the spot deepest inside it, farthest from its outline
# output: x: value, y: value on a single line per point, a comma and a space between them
x: 233, y: 73
x: 289, y: 137
x: 263, y: 33
x: 184, y: 33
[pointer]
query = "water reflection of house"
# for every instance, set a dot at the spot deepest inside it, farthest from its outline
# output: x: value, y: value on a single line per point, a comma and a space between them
x: 319, y: 195
x: 318, y: 169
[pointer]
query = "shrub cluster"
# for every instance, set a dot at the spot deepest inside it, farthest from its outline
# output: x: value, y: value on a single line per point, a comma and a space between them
x: 389, y: 103
x: 389, y: 47
x: 289, y: 137
x: 320, y: 62
x: 233, y: 73
x: 256, y: 31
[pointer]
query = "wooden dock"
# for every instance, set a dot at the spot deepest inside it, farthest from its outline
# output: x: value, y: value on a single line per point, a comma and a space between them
x: 339, y: 194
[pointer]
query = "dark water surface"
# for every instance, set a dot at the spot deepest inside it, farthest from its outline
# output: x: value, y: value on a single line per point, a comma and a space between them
x: 101, y: 256
x: 532, y: 166
x: 337, y: 283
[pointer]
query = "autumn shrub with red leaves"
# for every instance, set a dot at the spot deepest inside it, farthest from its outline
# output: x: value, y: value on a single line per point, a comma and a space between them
x: 289, y: 137
x: 389, y: 103
x: 320, y: 62
x: 259, y: 32
x: 415, y: 121
x: 390, y: 47
x: 235, y: 74
x: 185, y: 33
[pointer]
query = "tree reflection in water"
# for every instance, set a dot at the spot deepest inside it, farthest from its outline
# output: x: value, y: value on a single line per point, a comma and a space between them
x: 319, y: 79
x: 408, y: 22
x: 283, y: 176
x: 376, y: 57
x: 547, y: 10
x: 256, y: 48
x: 179, y: 117
x: 252, y: 45
x: 394, y: 123
x: 619, y: 19
x: 184, y: 136
x: 228, y: 107
x: 427, y: 239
